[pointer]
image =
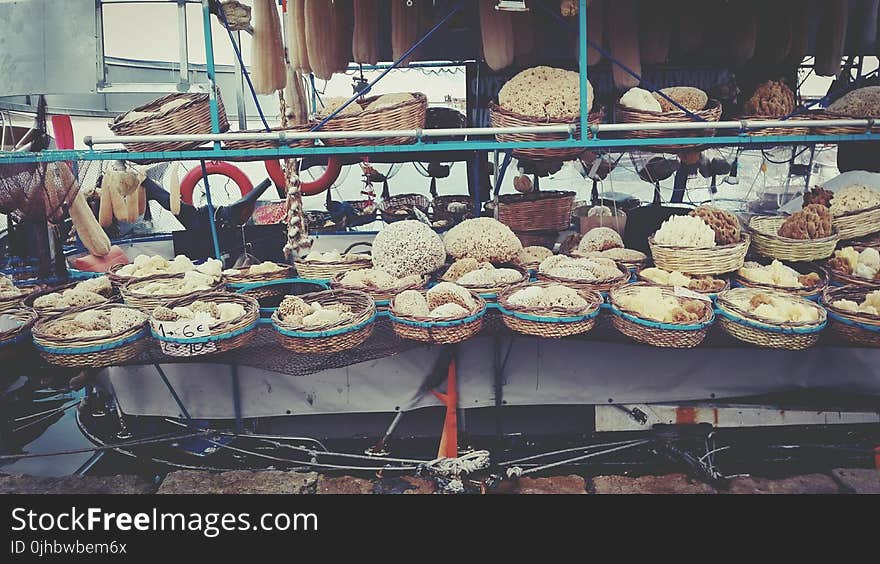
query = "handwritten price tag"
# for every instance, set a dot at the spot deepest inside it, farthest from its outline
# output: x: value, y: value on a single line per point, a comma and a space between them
x: 683, y: 292
x: 187, y: 349
x: 184, y: 329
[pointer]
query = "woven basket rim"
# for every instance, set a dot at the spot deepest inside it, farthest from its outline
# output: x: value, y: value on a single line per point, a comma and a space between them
x: 594, y: 302
x: 624, y: 276
x: 26, y: 315
x: 127, y: 289
x: 852, y: 279
x: 595, y: 114
x: 702, y: 292
x: 712, y: 110
x: 244, y: 277
x: 478, y: 309
x: 367, y: 309
x: 708, y: 313
x: 417, y: 98
x: 336, y: 283
x: 852, y: 214
x: 43, y: 338
x: 844, y: 292
x: 723, y: 302
x: 810, y: 267
x: 744, y: 240
x: 193, y: 98
x: 251, y: 308
x: 835, y: 236
x: 46, y: 311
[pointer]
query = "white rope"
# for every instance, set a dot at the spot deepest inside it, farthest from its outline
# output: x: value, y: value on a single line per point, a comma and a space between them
x: 466, y: 464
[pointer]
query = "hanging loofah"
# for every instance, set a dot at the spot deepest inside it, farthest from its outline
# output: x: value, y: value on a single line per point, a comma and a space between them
x: 267, y: 58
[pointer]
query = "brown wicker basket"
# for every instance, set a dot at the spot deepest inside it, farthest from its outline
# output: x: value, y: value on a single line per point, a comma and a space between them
x: 840, y: 278
x: 537, y: 238
x: 710, y: 292
x: 765, y: 241
x: 222, y: 336
x: 380, y: 295
x: 656, y: 334
x: 244, y: 276
x: 750, y: 328
x: 774, y: 131
x: 833, y: 130
x: 713, y: 260
x: 192, y: 117
x: 90, y: 352
x: 330, y: 338
x: 857, y: 328
x: 409, y: 114
x: 537, y: 211
x: 11, y: 340
x: 500, y: 117
x: 397, y: 208
x: 440, y: 208
x: 552, y: 323
x: 490, y: 293
x: 133, y: 295
x: 16, y: 301
x: 51, y: 311
x: 120, y: 280
x: 595, y: 285
x: 811, y: 292
x: 858, y: 224
x: 327, y: 270
x: 634, y: 265
x: 622, y: 114
x: 254, y: 145
x: 438, y: 330
x: 237, y: 283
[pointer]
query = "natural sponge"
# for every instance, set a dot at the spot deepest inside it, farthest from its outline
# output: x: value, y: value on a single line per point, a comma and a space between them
x: 408, y: 247
x: 725, y: 225
x: 482, y: 238
x: 812, y: 222
x: 771, y: 99
x: 600, y: 239
x: 691, y: 98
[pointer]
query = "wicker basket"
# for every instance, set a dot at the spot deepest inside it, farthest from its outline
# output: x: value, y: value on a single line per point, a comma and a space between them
x: 258, y: 285
x: 440, y: 208
x: 14, y: 302
x: 594, y: 285
x: 254, y: 145
x: 11, y: 340
x: 192, y: 117
x: 749, y: 328
x: 327, y: 270
x: 855, y: 225
x: 537, y: 238
x: 52, y: 311
x: 537, y: 211
x: 837, y: 130
x: 857, y: 328
x: 90, y: 352
x: 654, y: 333
x: 220, y: 337
x: 628, y: 115
x: 438, y: 330
x: 499, y: 117
x: 634, y: 265
x: 331, y: 338
x: 554, y: 323
x: 409, y: 114
x: 710, y: 293
x: 380, y: 295
x: 119, y: 280
x: 839, y: 278
x: 765, y: 241
x: 491, y: 293
x: 397, y: 208
x: 810, y: 293
x: 768, y: 131
x: 133, y: 295
x: 713, y: 260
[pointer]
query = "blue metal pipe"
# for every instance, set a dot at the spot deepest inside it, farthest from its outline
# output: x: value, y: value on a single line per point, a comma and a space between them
x: 209, y: 59
x: 582, y: 67
x: 211, y: 220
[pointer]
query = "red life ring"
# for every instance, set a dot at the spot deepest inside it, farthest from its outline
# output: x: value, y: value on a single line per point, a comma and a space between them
x: 188, y: 182
x: 334, y: 167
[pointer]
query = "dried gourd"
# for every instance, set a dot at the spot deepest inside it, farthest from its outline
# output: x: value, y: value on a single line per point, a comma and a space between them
x: 408, y: 23
x: 496, y: 28
x: 296, y: 28
x: 267, y: 55
x: 174, y: 190
x: 117, y: 201
x: 800, y: 36
x: 131, y: 208
x: 365, y: 41
x: 831, y: 37
x: 344, y: 11
x: 90, y: 232
x: 623, y: 38
x: 654, y: 32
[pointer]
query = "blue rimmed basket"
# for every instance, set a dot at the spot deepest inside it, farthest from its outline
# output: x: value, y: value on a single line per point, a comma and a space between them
x: 750, y: 328
x: 12, y: 339
x: 223, y: 336
x: 491, y: 293
x: 857, y: 328
x: 134, y: 293
x: 549, y: 323
x: 259, y: 286
x: 382, y: 296
x: 813, y: 292
x: 439, y: 330
x: 90, y: 352
x: 333, y: 338
x: 29, y: 302
x: 655, y: 333
x: 593, y: 285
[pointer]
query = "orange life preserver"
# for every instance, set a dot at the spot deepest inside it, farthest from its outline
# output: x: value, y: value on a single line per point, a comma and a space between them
x: 188, y: 182
x: 316, y: 186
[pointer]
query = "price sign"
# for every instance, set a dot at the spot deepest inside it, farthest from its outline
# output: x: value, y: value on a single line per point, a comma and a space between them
x: 187, y: 349
x: 683, y: 292
x: 183, y: 329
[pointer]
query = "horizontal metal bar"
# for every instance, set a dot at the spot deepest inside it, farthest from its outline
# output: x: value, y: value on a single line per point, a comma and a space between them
x: 149, y: 87
x: 742, y: 124
x: 282, y: 136
x: 429, y: 147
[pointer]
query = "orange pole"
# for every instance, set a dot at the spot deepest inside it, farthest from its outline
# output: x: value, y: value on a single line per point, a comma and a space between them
x: 449, y: 438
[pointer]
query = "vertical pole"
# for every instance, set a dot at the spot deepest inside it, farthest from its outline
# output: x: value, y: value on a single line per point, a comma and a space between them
x: 209, y: 59
x: 183, y: 47
x: 239, y: 89
x: 210, y: 205
x: 582, y: 66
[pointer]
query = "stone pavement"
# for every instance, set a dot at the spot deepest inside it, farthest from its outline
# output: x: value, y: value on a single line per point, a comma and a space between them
x: 841, y: 480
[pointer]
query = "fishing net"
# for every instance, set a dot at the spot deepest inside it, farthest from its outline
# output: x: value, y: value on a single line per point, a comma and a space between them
x: 37, y: 191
